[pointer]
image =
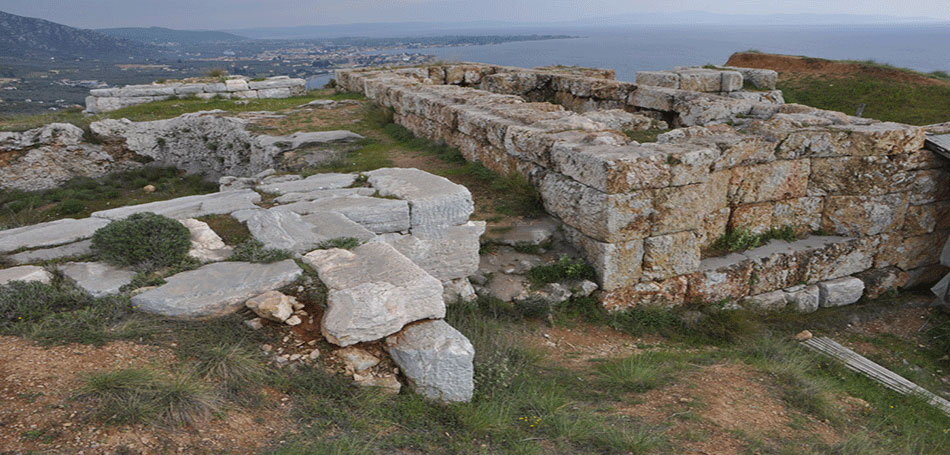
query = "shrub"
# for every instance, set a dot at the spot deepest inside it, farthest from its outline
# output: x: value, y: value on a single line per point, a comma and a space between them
x: 346, y: 243
x: 566, y: 268
x: 70, y: 207
x: 143, y: 240
x: 254, y: 251
x: 217, y: 72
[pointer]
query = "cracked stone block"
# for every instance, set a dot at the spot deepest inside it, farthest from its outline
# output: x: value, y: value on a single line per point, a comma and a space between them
x: 840, y: 292
x: 770, y: 301
x: 376, y: 214
x: 670, y: 255
x: 206, y: 245
x: 447, y: 253
x: 189, y: 206
x: 313, y: 183
x: 436, y: 359
x: 97, y: 278
x: 216, y: 289
x: 373, y: 291
x: 52, y: 233
x: 70, y: 250
x: 25, y: 273
x: 282, y: 230
x: 289, y: 198
x: 803, y: 299
x: 433, y: 200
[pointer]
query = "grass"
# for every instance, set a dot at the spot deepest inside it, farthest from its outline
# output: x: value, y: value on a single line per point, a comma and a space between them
x: 885, y: 100
x: 346, y: 243
x: 255, y: 251
x: 564, y: 269
x: 81, y: 196
x: 231, y: 231
x: 642, y: 372
x: 744, y: 239
x: 644, y: 136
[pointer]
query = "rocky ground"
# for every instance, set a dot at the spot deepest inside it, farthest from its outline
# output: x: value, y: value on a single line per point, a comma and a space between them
x: 552, y: 374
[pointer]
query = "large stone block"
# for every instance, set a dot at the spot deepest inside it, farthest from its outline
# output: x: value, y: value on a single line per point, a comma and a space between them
x: 25, y: 273
x: 666, y: 293
x: 922, y: 250
x: 613, y: 169
x: 769, y: 182
x: 928, y: 186
x: 96, y: 278
x: 376, y: 214
x: 884, y: 138
x: 433, y: 200
x: 924, y: 219
x: 313, y: 183
x: 757, y: 218
x: 840, y: 292
x: 683, y: 208
x: 700, y: 80
x: 189, y: 206
x: 617, y: 264
x: 864, y: 175
x: 69, y: 250
x: 282, y: 230
x: 878, y: 282
x: 670, y: 255
x: 216, y: 289
x: 803, y: 299
x: 812, y: 143
x: 51, y: 233
x: 603, y: 217
x: 447, y: 253
x: 374, y: 291
x: 667, y: 79
x: 653, y: 98
x: 721, y: 278
x: 859, y: 216
x: 436, y: 359
x: 802, y: 214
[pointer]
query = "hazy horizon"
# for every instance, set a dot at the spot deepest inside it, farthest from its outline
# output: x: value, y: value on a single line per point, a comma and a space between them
x: 250, y: 14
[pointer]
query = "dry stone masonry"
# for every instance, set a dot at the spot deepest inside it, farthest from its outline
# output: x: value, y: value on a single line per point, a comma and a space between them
x: 415, y: 239
x: 234, y: 87
x: 868, y: 202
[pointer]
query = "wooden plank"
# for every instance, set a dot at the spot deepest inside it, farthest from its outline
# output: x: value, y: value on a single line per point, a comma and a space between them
x: 860, y: 364
x: 939, y: 144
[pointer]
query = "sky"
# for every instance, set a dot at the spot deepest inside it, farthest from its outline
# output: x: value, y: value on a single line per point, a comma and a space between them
x: 237, y: 14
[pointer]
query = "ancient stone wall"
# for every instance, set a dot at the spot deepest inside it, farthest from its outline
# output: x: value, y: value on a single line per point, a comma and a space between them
x: 238, y: 87
x: 643, y: 214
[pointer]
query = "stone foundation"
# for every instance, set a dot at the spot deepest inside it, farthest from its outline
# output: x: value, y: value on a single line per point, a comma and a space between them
x: 644, y: 213
x: 235, y: 87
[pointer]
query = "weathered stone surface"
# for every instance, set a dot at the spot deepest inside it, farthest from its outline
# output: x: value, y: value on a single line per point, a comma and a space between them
x: 356, y: 359
x: 667, y: 79
x: 376, y: 214
x: 373, y: 292
x: 96, y: 278
x: 802, y: 214
x: 215, y: 289
x: 272, y: 305
x: 604, y: 217
x: 856, y: 175
x: 721, y: 278
x: 924, y: 219
x: 457, y: 290
x: 840, y: 292
x: 774, y: 181
x: 206, y: 245
x: 803, y: 299
x: 433, y: 200
x: 526, y: 232
x: 283, y: 230
x: 313, y: 183
x: 333, y: 225
x: 883, y: 138
x: 928, y: 186
x: 617, y: 264
x: 289, y: 198
x: 770, y: 301
x: 619, y: 119
x: 669, y: 255
x: 189, y: 206
x: 878, y: 282
x: 666, y: 293
x: 684, y: 208
x: 437, y: 360
x: 51, y: 233
x: 756, y: 218
x: 834, y: 257
x: 864, y: 215
x: 921, y: 250
x: 70, y: 250
x: 447, y: 253
x: 25, y: 273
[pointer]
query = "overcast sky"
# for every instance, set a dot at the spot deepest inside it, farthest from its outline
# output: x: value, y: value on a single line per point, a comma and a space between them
x: 230, y: 14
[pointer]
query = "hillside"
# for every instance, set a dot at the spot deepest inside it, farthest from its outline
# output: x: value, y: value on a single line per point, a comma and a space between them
x: 162, y: 36
x: 30, y: 38
x: 889, y: 93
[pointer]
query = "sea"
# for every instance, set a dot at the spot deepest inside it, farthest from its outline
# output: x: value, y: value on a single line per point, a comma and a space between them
x: 628, y: 49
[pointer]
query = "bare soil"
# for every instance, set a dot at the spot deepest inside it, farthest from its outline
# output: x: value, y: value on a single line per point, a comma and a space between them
x: 790, y: 66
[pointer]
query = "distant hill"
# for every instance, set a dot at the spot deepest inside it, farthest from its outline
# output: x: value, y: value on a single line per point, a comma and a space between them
x: 27, y: 37
x: 160, y: 35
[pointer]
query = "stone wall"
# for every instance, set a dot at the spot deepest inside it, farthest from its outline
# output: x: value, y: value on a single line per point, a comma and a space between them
x: 643, y: 214
x: 236, y: 87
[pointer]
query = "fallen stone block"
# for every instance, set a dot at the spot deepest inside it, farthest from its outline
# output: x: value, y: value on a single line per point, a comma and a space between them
x: 878, y: 282
x: 189, y: 206
x: 97, y: 278
x: 942, y: 290
x: 70, y: 250
x: 446, y: 253
x: 312, y: 183
x: 840, y: 292
x: 667, y: 79
x: 289, y: 198
x: 49, y: 234
x: 216, y: 289
x: 376, y: 214
x: 333, y: 225
x: 25, y: 273
x: 436, y: 359
x: 433, y: 200
x: 803, y: 299
x: 770, y: 301
x: 272, y: 305
x: 282, y: 230
x: 206, y: 245
x: 374, y: 291
x: 457, y: 290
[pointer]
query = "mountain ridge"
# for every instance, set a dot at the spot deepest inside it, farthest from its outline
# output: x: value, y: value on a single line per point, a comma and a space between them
x: 28, y: 37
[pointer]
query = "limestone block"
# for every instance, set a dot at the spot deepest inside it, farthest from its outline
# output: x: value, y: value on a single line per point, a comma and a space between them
x: 282, y: 230
x: 813, y: 143
x: 769, y: 182
x: 458, y: 290
x: 288, y: 198
x: 883, y: 138
x: 436, y: 359
x: 447, y: 253
x: 603, y: 217
x: 526, y: 232
x: 757, y: 217
x: 96, y: 278
x: 302, y: 139
x: 803, y: 299
x: 923, y: 219
x: 613, y: 169
x: 835, y: 257
x: 776, y: 265
x: 802, y: 214
x: 720, y: 278
x: 924, y: 275
x: 236, y: 85
x: 713, y: 226
x: 374, y: 291
x: 376, y: 214
x: 189, y: 206
x: 215, y: 289
x: 769, y: 301
x: 740, y: 150
x: 860, y: 216
x: 617, y: 264
x: 691, y: 165
x: 670, y: 255
x: 877, y: 282
x: 864, y: 175
x: 928, y: 186
x: 206, y: 245
x: 51, y: 233
x: 334, y: 225
x: 653, y: 98
x: 667, y: 79
x: 761, y: 78
x: 840, y: 292
x: 283, y: 92
x: 69, y: 250
x: 315, y: 182
x: 684, y: 208
x: 666, y: 293
x: 272, y: 305
x: 731, y: 81
x: 922, y: 250
x: 700, y: 80
x: 433, y: 200
x: 25, y: 273
x: 619, y: 119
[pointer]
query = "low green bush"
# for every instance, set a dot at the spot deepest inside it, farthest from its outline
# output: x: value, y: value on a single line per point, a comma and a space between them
x: 254, y: 251
x: 566, y: 268
x: 143, y: 240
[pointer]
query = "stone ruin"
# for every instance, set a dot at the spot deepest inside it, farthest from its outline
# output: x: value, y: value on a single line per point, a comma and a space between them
x: 416, y: 250
x: 233, y: 87
x: 870, y: 204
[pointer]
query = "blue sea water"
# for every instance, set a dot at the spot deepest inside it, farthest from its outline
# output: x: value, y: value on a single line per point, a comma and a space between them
x: 634, y: 48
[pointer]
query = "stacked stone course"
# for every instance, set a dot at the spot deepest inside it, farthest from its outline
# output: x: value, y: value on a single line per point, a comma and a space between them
x: 644, y: 213
x: 236, y: 87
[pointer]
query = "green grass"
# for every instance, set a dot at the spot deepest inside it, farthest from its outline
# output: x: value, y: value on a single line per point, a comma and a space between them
x: 564, y: 269
x: 346, y: 243
x: 744, y: 239
x: 255, y: 251
x: 643, y: 372
x: 644, y: 136
x: 885, y: 100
